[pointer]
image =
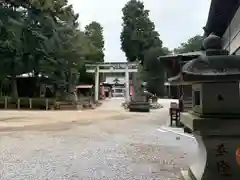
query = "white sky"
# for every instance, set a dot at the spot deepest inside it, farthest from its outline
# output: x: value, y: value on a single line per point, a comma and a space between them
x: 175, y: 20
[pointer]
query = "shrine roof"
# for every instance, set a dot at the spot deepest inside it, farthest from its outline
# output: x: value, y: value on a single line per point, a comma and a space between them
x: 189, y: 55
x: 221, y: 13
x: 176, y: 81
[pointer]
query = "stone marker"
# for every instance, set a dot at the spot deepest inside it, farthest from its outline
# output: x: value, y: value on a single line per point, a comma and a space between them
x: 215, y: 117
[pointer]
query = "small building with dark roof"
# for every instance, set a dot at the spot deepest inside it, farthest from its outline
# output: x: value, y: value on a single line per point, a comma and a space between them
x: 174, y: 88
x: 223, y: 21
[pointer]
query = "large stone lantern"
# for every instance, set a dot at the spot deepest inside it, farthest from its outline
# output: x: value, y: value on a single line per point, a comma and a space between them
x: 215, y: 116
x: 141, y: 103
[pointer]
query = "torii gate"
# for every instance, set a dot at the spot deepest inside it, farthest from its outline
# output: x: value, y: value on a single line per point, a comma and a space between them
x: 111, y: 68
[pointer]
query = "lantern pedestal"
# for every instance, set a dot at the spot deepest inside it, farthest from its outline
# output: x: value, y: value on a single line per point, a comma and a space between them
x: 215, y: 122
x: 218, y: 140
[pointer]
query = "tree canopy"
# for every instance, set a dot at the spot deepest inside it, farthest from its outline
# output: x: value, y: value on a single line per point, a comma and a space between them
x: 138, y: 33
x: 141, y: 43
x: 166, y: 51
x: 94, y: 32
x: 43, y: 37
x: 192, y: 44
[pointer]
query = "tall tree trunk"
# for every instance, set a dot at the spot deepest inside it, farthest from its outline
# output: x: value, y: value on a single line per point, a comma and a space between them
x: 14, y: 87
x: 37, y: 72
x: 71, y: 85
x: 14, y: 81
x: 37, y: 86
x: 70, y: 82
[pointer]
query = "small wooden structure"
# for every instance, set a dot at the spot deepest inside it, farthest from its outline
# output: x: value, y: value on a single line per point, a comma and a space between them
x: 85, y: 96
x: 174, y: 112
x: 84, y: 89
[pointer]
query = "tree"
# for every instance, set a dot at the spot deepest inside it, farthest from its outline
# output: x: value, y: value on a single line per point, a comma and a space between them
x: 154, y: 71
x: 11, y: 44
x: 138, y: 40
x: 166, y: 51
x: 43, y: 37
x: 192, y: 44
x: 85, y: 78
x: 94, y: 33
x: 138, y: 33
x: 58, y: 55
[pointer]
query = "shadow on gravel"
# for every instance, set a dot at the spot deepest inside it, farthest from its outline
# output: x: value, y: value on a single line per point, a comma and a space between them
x: 14, y: 118
x: 59, y: 126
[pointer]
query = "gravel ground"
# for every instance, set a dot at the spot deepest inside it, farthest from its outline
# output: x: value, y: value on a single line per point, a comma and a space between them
x: 124, y: 146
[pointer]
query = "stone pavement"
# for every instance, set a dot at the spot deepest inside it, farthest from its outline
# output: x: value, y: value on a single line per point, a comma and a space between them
x: 107, y: 143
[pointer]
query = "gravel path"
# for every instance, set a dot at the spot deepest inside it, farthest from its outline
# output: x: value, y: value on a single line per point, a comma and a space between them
x: 120, y: 147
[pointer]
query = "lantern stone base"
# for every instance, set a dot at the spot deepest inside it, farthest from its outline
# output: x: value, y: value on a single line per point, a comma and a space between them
x: 218, y: 140
x: 186, y: 175
x: 139, y: 106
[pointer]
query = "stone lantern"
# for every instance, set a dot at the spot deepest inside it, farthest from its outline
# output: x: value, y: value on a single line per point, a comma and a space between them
x: 215, y: 116
x: 141, y: 104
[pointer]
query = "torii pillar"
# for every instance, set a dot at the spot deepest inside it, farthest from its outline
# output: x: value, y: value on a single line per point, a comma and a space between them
x: 127, y: 94
x: 96, y: 94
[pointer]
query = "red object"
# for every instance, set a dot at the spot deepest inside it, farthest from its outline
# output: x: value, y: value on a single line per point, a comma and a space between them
x: 131, y: 89
x: 238, y: 156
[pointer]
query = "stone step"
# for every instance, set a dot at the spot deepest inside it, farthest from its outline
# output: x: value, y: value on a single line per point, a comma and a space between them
x: 187, y: 104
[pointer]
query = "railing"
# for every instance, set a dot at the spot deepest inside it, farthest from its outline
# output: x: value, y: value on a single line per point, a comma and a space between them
x: 27, y: 103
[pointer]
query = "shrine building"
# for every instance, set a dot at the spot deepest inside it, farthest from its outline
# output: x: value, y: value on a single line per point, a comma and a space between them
x: 224, y: 21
